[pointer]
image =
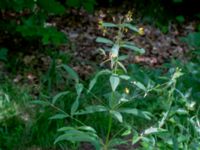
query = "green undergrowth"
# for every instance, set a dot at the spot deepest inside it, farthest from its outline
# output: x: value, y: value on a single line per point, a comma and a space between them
x: 24, y: 125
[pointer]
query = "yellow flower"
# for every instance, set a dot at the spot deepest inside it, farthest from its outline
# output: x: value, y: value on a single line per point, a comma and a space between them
x: 125, y: 30
x: 141, y: 31
x: 126, y: 90
x: 104, y: 31
x: 100, y: 22
x: 129, y: 16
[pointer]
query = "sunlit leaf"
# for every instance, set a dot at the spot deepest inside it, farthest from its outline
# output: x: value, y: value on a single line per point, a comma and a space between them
x: 114, y: 81
x: 181, y: 111
x: 130, y: 26
x: 140, y: 85
x: 107, y: 24
x: 87, y: 128
x: 122, y: 66
x: 127, y: 132
x: 135, y: 138
x: 104, y: 40
x: 115, y: 50
x: 153, y: 130
x: 117, y: 115
x: 136, y: 112
x: 125, y: 77
x: 134, y: 48
x: 123, y: 57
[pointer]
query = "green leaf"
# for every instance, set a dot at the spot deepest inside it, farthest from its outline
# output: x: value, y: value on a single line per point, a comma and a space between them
x: 130, y: 26
x: 39, y: 102
x: 140, y: 85
x: 153, y: 130
x: 122, y: 66
x: 136, y: 112
x: 125, y: 77
x: 175, y: 143
x: 116, y: 141
x: 127, y: 132
x: 65, y: 129
x: 117, y: 115
x: 74, y: 135
x: 71, y: 72
x: 134, y: 48
x: 51, y: 6
x: 104, y: 40
x: 92, y: 109
x: 181, y: 111
x: 108, y: 24
x: 74, y: 107
x: 114, y: 81
x: 79, y: 88
x: 192, y: 40
x: 122, y: 57
x: 87, y: 128
x: 94, y: 80
x: 59, y: 116
x: 115, y: 50
x: 55, y: 98
x: 74, y: 3
x: 88, y: 6
x: 3, y: 54
x: 113, y: 99
x: 124, y: 99
x: 135, y: 138
x: 180, y: 19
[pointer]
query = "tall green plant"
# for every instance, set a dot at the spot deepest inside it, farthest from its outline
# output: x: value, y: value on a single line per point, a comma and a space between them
x: 116, y: 103
x: 114, y: 107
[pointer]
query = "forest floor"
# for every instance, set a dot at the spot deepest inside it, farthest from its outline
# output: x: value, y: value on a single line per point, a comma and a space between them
x: 82, y: 29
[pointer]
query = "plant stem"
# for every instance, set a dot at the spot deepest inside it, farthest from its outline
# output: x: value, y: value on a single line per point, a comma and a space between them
x: 114, y: 70
x: 108, y: 133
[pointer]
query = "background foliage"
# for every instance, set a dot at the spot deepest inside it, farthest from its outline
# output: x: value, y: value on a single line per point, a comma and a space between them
x: 124, y: 105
